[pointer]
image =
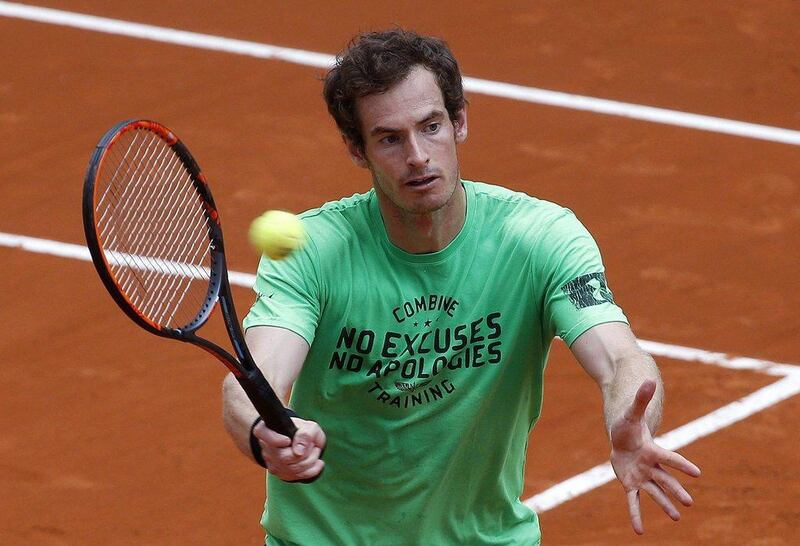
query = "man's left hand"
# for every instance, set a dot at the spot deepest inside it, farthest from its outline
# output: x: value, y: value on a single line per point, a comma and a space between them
x: 638, y: 462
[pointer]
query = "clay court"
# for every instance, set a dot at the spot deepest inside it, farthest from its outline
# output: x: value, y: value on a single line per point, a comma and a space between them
x: 111, y: 436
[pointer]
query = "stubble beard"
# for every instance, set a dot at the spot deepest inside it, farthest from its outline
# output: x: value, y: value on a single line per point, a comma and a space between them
x: 402, y: 209
x: 422, y: 208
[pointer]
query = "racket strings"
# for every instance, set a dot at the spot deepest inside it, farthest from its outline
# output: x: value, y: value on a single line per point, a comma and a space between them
x: 153, y: 228
x: 175, y: 258
x: 140, y: 253
x: 168, y: 275
x: 160, y: 220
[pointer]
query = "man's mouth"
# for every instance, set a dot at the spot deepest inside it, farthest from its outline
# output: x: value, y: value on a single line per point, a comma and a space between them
x: 421, y: 181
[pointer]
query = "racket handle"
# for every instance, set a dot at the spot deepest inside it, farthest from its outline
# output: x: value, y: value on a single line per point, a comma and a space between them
x: 266, y: 403
x: 269, y: 407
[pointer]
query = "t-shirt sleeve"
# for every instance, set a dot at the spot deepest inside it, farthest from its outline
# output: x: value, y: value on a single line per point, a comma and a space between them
x: 287, y: 294
x: 574, y: 292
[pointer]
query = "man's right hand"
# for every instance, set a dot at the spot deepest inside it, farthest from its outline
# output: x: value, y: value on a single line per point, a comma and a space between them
x: 295, y: 459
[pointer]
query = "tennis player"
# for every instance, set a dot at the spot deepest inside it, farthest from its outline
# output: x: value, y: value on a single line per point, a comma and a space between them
x: 410, y: 334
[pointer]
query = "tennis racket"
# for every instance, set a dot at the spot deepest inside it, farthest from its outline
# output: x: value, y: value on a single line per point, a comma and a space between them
x: 155, y: 238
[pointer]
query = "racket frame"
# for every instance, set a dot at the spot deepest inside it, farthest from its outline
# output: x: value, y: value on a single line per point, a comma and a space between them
x: 242, y: 366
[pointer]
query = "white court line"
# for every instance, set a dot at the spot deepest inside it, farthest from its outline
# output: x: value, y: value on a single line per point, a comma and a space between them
x: 601, y: 474
x: 723, y: 360
x: 80, y: 252
x: 672, y: 440
x: 475, y: 85
x: 693, y: 430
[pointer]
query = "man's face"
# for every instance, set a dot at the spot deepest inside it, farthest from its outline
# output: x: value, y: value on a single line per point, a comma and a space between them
x: 410, y: 145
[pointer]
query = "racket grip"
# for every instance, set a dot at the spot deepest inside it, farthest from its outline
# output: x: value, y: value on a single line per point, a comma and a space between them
x: 275, y: 415
x: 266, y: 403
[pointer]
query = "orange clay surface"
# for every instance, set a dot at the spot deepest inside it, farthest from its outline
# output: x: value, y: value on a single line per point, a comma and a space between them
x: 111, y: 436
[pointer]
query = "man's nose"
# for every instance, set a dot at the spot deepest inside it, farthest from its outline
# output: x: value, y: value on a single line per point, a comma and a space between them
x: 416, y: 153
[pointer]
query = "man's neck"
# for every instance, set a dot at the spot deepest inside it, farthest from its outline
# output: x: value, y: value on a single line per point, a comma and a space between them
x: 428, y: 232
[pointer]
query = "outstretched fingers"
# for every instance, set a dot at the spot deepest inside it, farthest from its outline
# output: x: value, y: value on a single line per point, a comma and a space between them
x: 658, y: 495
x: 662, y: 500
x: 678, y: 462
x: 635, y: 510
x: 671, y: 485
x: 661, y: 486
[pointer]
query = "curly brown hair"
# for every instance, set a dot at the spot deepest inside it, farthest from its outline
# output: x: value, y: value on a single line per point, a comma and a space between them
x: 375, y: 61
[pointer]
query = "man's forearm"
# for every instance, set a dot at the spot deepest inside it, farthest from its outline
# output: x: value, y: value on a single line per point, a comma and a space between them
x: 238, y: 414
x: 631, y: 371
x: 285, y: 351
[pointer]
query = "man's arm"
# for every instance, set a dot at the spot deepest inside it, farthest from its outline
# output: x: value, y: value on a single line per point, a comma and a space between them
x: 280, y: 355
x: 632, y: 400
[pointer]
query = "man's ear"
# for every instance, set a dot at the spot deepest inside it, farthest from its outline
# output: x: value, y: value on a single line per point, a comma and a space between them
x: 460, y: 126
x: 356, y: 153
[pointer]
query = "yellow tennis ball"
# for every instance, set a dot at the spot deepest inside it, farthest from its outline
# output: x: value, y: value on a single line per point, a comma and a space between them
x: 277, y: 233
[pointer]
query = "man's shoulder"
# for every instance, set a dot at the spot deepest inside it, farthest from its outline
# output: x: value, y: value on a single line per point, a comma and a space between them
x: 515, y: 206
x: 339, y: 223
x: 346, y: 214
x: 341, y: 209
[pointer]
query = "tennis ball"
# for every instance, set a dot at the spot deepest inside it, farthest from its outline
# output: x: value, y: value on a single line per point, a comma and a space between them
x: 277, y: 233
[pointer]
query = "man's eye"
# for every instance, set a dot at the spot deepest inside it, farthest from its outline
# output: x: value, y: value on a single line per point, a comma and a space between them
x: 389, y: 139
x: 433, y: 127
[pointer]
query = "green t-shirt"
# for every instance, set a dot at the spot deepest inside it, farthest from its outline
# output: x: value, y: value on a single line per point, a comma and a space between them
x: 425, y: 370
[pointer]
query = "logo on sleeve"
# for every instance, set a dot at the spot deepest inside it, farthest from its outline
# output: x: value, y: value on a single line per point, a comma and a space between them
x: 588, y: 290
